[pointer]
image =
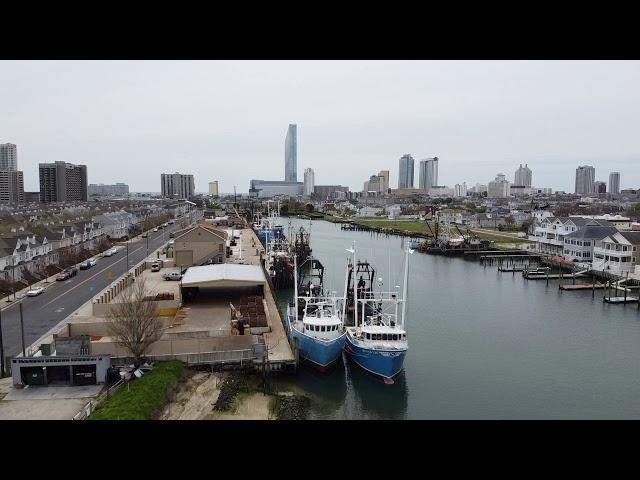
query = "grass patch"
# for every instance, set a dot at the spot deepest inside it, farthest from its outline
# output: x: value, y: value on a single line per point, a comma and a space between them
x: 146, y: 396
x: 409, y: 225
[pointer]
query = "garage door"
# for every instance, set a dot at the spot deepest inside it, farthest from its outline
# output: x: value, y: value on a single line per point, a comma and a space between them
x: 58, y: 375
x: 84, y: 375
x: 32, y: 375
x: 184, y: 258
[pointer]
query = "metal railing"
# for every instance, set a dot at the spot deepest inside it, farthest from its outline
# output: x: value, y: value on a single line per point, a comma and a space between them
x: 89, y: 408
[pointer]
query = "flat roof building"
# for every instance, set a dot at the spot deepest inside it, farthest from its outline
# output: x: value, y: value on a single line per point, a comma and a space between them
x: 63, y: 182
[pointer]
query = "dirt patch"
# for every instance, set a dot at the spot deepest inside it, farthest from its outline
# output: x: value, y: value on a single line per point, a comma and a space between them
x: 251, y: 406
x: 194, y: 397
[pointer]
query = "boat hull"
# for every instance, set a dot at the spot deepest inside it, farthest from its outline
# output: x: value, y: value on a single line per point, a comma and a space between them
x: 322, y: 354
x: 384, y: 364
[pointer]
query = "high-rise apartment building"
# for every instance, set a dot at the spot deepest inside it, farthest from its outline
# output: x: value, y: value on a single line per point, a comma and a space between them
x: 599, y: 187
x: 177, y: 185
x: 385, y: 180
x: 614, y: 183
x: 460, y: 190
x: 63, y: 182
x: 428, y: 176
x: 11, y: 186
x: 585, y: 176
x: 309, y: 182
x: 406, y: 174
x: 291, y: 154
x: 213, y: 188
x: 522, y: 177
x: 8, y: 157
x: 499, y: 187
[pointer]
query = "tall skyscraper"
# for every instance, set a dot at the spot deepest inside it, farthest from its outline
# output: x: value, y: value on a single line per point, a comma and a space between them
x: 523, y: 176
x: 309, y: 182
x: 428, y: 176
x: 291, y: 154
x: 585, y: 176
x: 406, y: 174
x: 614, y: 182
x: 8, y: 157
x: 177, y: 185
x: 213, y: 188
x: 63, y: 182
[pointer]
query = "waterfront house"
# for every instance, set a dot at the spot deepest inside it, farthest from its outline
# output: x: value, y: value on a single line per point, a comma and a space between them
x: 579, y: 245
x: 618, y: 253
x: 549, y: 234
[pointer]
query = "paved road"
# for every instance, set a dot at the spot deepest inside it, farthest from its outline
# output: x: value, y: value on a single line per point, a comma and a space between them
x: 62, y: 298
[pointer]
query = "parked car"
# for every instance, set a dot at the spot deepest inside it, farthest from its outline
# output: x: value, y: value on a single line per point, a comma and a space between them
x: 172, y: 276
x: 145, y: 235
x: 108, y: 253
x: 92, y: 262
x: 85, y: 265
x: 114, y: 251
x: 155, y: 267
x: 66, y: 274
x: 171, y: 222
x: 155, y: 229
x: 34, y: 292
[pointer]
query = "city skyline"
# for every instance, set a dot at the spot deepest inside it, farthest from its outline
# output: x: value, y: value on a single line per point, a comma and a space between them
x: 355, y: 116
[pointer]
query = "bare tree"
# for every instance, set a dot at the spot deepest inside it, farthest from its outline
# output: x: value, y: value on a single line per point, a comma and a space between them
x: 134, y: 322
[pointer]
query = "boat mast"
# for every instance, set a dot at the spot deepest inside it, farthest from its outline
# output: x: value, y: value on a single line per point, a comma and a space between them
x: 355, y: 288
x: 404, y: 288
x: 295, y: 285
x: 346, y: 294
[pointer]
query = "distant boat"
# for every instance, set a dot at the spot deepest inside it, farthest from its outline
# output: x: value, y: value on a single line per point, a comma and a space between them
x: 319, y: 329
x: 378, y: 340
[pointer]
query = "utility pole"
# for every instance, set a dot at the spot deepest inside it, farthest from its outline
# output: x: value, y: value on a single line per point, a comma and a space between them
x: 24, y: 353
x: 1, y: 349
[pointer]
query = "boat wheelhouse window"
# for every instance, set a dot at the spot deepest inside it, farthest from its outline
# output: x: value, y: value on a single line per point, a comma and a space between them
x: 322, y: 328
x: 378, y: 336
x: 384, y: 336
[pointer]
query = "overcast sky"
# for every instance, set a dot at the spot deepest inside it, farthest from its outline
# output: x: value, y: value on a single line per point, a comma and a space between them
x: 130, y: 121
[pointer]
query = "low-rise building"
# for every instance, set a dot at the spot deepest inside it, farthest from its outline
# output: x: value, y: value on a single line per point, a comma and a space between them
x: 579, y: 245
x: 199, y: 245
x: 618, y: 253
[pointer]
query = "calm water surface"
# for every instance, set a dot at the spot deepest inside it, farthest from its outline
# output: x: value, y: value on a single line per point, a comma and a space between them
x: 482, y: 344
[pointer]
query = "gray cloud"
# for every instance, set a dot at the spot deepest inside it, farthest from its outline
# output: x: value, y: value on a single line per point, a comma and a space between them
x: 131, y: 120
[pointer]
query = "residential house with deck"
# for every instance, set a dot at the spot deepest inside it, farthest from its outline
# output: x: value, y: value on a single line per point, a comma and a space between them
x: 579, y: 245
x: 618, y: 253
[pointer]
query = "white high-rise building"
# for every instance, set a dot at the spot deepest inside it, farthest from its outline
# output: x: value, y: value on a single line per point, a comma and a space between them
x: 499, y: 187
x: 523, y: 176
x: 385, y: 180
x: 428, y: 176
x: 460, y: 190
x: 8, y: 157
x: 213, y: 188
x: 309, y: 182
x: 614, y: 182
x: 585, y: 176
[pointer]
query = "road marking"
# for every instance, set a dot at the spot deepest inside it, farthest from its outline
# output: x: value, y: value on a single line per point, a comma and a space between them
x: 123, y: 259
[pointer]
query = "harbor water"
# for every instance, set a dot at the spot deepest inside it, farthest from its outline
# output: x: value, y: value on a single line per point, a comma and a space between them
x: 482, y: 344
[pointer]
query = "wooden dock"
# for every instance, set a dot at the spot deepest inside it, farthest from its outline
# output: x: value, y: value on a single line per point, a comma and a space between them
x: 582, y: 286
x: 620, y: 299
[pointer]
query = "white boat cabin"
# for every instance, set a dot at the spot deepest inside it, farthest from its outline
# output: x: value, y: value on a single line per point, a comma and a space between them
x: 321, y: 321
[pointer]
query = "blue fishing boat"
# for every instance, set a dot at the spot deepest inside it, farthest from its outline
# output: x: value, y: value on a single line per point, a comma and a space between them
x: 378, y: 340
x: 317, y: 328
